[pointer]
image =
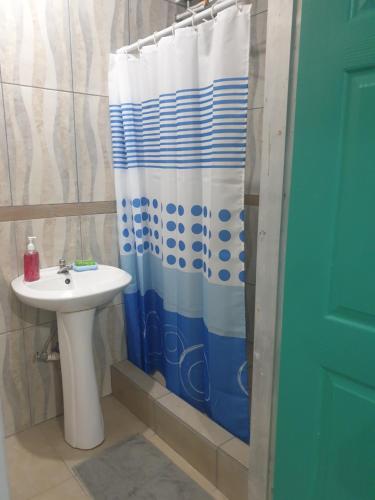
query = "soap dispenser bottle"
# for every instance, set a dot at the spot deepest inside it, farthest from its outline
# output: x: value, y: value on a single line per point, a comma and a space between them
x: 31, y: 261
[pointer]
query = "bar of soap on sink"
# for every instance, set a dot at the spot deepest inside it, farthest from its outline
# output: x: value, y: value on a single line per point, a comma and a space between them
x: 85, y: 265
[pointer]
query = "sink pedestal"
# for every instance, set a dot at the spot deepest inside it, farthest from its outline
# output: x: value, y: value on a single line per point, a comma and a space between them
x: 75, y: 301
x: 83, y: 419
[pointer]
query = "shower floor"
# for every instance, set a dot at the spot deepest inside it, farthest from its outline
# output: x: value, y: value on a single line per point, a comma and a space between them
x: 40, y: 463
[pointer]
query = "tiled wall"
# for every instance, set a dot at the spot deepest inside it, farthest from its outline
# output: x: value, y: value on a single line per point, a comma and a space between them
x: 55, y: 149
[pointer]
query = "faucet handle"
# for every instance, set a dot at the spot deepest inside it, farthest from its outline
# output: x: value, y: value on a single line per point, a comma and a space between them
x: 62, y: 262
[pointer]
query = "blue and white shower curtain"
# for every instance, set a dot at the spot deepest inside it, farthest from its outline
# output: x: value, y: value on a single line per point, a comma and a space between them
x: 178, y: 115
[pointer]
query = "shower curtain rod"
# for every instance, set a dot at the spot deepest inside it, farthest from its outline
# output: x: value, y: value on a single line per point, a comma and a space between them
x: 197, y: 7
x: 193, y: 20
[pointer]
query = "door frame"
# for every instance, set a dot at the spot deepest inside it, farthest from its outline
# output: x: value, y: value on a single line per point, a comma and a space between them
x: 282, y: 49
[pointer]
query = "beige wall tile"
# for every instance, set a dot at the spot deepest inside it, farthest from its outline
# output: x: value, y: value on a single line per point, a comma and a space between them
x: 56, y: 238
x: 257, y: 60
x: 5, y: 198
x: 251, y: 238
x: 100, y: 241
x: 34, y: 43
x: 144, y: 381
x: 94, y: 159
x: 253, y: 151
x: 45, y: 383
x: 199, y: 452
x: 32, y: 316
x: 232, y: 477
x: 147, y: 16
x: 41, y: 145
x: 98, y: 27
x: 99, y: 238
x: 133, y: 397
x: 10, y: 313
x: 13, y: 383
x: 238, y: 450
x: 193, y: 418
x: 109, y: 344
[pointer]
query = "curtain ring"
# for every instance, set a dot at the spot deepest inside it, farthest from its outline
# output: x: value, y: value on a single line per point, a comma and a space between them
x: 139, y: 46
x: 155, y: 41
x: 212, y: 14
x: 173, y: 29
x: 239, y: 7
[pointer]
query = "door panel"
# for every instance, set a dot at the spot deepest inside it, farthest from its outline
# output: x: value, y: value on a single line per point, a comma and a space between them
x: 356, y: 208
x: 325, y: 447
x: 347, y: 424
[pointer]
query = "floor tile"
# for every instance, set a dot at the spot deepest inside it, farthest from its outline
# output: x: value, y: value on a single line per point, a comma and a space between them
x: 119, y: 424
x: 44, y: 461
x: 68, y: 490
x: 33, y: 465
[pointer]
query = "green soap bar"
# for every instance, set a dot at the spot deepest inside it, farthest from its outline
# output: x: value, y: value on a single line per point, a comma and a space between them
x: 89, y: 262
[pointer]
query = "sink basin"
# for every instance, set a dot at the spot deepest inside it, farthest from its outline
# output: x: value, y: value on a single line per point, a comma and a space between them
x: 75, y: 291
x: 75, y: 296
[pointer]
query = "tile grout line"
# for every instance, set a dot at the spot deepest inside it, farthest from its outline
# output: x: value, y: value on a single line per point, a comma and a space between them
x: 74, y: 120
x: 128, y: 14
x: 6, y: 144
x: 74, y: 103
x: 16, y: 84
x: 235, y: 459
x: 28, y: 376
x: 260, y: 12
x: 52, y: 487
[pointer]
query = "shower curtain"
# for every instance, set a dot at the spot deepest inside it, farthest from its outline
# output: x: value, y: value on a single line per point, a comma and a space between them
x: 178, y: 113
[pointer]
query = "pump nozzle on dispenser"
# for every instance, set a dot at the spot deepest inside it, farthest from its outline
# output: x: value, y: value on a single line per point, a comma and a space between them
x: 31, y: 245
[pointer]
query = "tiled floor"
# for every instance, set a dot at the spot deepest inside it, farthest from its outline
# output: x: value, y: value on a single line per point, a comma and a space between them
x: 40, y: 462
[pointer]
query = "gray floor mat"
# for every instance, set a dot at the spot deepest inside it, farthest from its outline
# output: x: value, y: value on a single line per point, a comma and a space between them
x: 136, y: 470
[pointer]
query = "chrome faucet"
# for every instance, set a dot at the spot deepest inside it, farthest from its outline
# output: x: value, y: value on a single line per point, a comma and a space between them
x: 64, y: 268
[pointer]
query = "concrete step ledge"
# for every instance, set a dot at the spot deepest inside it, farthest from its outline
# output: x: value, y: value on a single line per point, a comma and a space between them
x: 213, y: 451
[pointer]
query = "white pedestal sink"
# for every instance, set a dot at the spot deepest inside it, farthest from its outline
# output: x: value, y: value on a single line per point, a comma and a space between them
x: 74, y: 297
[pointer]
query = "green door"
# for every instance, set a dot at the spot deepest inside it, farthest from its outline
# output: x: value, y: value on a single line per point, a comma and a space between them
x: 325, y: 447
